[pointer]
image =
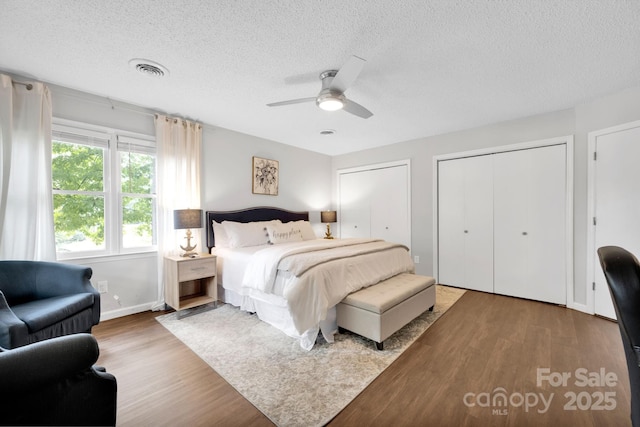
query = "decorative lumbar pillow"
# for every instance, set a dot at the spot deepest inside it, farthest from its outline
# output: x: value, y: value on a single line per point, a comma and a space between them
x: 220, y: 235
x: 305, y: 228
x: 283, y: 233
x: 247, y: 234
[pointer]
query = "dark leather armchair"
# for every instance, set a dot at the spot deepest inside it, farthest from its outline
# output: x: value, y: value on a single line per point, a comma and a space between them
x: 54, y: 382
x: 41, y: 300
x: 622, y: 272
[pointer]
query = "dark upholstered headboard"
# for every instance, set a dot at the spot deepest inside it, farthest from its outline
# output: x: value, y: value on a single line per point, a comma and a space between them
x: 263, y: 213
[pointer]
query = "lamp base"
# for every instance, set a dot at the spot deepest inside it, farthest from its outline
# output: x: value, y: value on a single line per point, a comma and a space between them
x: 328, y: 235
x: 189, y: 250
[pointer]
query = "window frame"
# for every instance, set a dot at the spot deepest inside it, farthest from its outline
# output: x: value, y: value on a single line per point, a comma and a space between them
x: 126, y: 143
x: 113, y: 196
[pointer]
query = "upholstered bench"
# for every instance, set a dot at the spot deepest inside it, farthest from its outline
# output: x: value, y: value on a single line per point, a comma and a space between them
x: 378, y: 311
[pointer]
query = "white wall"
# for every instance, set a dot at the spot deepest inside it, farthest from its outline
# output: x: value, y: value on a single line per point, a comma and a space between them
x: 305, y: 176
x: 607, y: 111
x: 132, y: 282
x: 305, y: 184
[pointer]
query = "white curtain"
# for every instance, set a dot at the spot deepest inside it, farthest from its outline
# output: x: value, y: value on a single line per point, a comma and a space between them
x: 26, y: 201
x: 179, y: 148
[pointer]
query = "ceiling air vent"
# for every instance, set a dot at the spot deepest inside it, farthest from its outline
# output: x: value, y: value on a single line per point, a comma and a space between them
x: 149, y: 68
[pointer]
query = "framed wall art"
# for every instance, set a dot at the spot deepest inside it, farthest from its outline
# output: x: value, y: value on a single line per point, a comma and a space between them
x: 266, y: 174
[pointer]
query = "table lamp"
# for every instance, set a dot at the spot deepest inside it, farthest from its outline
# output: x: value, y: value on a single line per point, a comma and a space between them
x: 187, y: 219
x: 327, y: 217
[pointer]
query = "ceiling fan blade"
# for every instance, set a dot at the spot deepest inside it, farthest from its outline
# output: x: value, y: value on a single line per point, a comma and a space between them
x: 347, y: 74
x: 356, y: 109
x: 291, y: 101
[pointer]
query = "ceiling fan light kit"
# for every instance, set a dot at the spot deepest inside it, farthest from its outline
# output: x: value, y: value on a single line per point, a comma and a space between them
x: 334, y: 84
x: 330, y: 101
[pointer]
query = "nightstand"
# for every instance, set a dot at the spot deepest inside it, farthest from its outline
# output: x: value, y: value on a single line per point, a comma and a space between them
x: 190, y: 282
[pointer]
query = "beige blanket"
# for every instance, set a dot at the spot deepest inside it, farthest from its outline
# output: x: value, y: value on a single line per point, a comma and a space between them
x: 301, y: 262
x: 300, y: 257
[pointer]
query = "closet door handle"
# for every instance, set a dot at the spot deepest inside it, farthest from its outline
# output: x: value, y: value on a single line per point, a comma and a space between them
x: 466, y: 231
x: 524, y: 233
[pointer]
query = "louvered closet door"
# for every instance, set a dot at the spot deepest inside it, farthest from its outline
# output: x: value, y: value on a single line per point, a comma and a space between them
x: 465, y: 223
x: 529, y: 224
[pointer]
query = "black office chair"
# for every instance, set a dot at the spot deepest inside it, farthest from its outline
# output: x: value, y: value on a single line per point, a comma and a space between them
x: 622, y: 271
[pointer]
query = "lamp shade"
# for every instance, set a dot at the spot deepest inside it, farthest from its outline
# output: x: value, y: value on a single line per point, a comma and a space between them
x: 328, y: 216
x: 187, y: 218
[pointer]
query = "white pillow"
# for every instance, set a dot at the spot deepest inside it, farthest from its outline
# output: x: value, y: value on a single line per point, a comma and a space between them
x: 284, y: 233
x: 306, y: 228
x: 241, y: 234
x: 220, y: 235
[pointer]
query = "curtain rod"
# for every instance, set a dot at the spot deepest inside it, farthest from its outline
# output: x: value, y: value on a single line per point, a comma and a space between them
x: 28, y: 85
x: 115, y: 105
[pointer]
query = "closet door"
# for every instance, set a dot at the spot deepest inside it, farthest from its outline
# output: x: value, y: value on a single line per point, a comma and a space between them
x: 355, y: 205
x: 375, y: 203
x: 465, y: 223
x: 529, y: 224
x: 389, y: 205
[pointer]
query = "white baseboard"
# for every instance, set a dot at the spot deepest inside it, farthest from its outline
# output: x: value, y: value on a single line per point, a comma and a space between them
x: 121, y: 312
x: 580, y: 307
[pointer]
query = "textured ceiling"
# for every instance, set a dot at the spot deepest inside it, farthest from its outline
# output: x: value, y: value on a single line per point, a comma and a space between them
x: 432, y: 66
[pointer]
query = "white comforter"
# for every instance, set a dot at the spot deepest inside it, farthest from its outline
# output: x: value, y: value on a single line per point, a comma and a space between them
x: 322, y: 272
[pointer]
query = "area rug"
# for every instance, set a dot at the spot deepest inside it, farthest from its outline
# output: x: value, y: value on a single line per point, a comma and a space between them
x: 291, y: 386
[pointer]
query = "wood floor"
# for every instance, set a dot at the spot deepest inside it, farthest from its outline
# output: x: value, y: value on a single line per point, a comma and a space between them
x: 482, y: 343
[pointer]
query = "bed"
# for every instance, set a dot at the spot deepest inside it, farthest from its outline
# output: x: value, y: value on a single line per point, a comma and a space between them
x: 271, y: 262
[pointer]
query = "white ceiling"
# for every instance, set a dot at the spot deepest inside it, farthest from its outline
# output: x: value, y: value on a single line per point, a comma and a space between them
x: 432, y: 66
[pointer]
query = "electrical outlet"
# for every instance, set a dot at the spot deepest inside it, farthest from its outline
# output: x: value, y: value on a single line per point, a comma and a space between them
x: 416, y: 259
x: 103, y: 286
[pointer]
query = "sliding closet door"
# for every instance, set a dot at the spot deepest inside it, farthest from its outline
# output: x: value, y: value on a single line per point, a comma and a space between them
x: 465, y: 223
x: 529, y: 224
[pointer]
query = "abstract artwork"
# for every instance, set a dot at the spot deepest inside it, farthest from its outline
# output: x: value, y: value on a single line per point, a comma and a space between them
x: 265, y: 176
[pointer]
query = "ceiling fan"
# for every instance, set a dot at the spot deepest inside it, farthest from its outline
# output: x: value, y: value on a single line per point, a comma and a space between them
x: 334, y: 84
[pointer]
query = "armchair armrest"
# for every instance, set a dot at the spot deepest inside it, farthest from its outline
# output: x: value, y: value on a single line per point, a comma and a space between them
x: 45, y: 362
x: 13, y: 331
x: 54, y: 279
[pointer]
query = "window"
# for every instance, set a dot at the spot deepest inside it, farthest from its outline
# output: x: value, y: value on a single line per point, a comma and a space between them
x: 104, y: 199
x: 137, y: 165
